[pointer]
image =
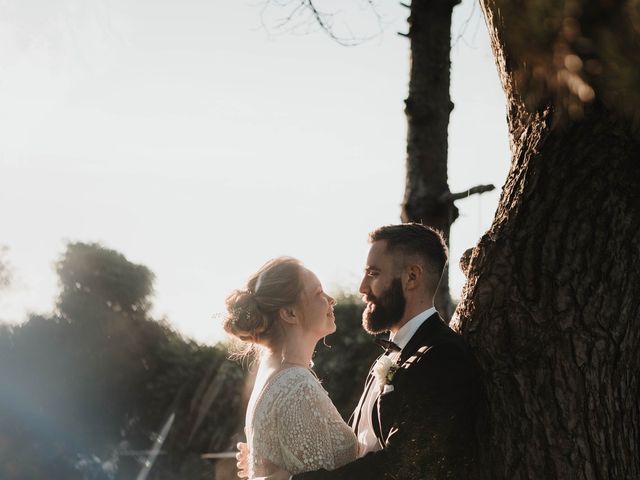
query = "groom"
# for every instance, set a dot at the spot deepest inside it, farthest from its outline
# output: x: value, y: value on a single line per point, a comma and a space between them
x: 416, y: 416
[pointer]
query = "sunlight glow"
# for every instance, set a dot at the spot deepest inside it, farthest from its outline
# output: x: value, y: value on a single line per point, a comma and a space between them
x: 185, y: 136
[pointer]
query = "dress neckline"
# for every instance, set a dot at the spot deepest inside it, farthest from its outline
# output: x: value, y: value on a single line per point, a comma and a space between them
x: 270, y: 380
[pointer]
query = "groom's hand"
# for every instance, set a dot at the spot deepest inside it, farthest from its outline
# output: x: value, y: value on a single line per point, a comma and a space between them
x: 243, y: 460
x: 243, y: 465
x: 279, y: 475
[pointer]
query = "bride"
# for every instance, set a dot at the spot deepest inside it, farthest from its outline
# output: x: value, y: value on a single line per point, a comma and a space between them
x: 291, y: 423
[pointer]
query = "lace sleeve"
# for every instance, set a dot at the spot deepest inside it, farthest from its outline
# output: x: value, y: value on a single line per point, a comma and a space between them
x: 310, y: 431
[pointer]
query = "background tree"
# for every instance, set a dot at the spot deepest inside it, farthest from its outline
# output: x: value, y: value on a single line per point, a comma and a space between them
x: 95, y: 382
x: 551, y: 306
x: 427, y: 196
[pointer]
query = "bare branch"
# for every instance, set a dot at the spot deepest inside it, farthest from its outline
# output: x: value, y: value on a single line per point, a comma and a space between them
x: 377, y: 14
x: 320, y: 18
x: 288, y: 18
x: 405, y: 35
x: 478, y: 189
x: 464, y: 26
x: 300, y: 15
x: 327, y: 26
x: 405, y: 5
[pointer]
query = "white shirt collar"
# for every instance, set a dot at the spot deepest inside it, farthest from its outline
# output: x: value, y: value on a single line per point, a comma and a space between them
x: 402, y: 336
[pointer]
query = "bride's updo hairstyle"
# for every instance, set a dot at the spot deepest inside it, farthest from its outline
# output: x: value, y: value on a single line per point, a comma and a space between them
x: 252, y: 313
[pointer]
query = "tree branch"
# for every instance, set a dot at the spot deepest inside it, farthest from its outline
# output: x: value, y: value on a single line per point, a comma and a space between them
x: 320, y: 18
x: 289, y: 17
x: 405, y: 5
x: 296, y: 18
x: 452, y: 197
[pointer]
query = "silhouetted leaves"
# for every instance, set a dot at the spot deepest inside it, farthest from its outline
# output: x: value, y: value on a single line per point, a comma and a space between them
x: 100, y: 378
x: 94, y: 383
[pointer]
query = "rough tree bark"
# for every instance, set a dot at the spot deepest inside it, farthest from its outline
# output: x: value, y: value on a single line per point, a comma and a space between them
x: 552, y: 302
x: 428, y: 106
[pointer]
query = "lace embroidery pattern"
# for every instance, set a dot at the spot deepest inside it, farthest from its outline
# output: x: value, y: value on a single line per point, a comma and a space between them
x: 294, y: 425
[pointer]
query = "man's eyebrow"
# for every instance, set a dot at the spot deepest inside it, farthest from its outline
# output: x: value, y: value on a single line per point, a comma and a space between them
x: 371, y: 268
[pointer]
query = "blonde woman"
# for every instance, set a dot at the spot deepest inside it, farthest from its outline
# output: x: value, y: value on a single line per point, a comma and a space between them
x: 291, y: 423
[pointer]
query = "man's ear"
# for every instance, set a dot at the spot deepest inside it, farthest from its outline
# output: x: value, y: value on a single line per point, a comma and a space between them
x: 414, y: 273
x: 288, y: 315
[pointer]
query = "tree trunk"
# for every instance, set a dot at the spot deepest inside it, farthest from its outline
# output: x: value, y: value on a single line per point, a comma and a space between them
x: 427, y: 108
x: 552, y: 303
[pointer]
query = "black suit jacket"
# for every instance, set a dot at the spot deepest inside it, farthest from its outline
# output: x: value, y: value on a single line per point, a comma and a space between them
x: 427, y: 423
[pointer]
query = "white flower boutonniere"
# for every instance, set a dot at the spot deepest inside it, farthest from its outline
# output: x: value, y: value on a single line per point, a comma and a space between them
x: 384, y: 370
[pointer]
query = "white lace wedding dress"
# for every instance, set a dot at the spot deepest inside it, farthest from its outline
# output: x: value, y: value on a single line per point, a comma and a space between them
x: 292, y: 424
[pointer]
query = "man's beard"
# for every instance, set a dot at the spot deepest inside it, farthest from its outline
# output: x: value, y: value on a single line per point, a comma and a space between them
x: 386, y: 310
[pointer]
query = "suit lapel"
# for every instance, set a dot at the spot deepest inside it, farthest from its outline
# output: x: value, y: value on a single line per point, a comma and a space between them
x: 430, y: 329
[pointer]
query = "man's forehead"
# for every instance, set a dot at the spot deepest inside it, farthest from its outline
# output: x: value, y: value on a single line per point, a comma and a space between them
x: 382, y: 258
x: 378, y: 254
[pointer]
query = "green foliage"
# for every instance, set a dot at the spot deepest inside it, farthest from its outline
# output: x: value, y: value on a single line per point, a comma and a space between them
x: 90, y: 274
x: 102, y: 376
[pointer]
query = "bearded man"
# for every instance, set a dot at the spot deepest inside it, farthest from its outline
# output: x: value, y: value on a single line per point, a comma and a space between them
x: 416, y: 417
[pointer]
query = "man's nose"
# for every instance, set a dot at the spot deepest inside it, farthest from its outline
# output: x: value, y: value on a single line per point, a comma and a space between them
x: 364, y: 287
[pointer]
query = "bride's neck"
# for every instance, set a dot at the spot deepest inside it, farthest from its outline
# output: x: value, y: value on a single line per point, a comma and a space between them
x: 296, y: 349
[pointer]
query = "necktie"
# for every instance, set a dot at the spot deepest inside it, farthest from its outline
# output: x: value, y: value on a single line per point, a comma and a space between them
x: 388, y: 345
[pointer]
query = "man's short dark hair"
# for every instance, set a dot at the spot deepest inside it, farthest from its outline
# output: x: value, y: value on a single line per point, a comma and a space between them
x: 415, y: 239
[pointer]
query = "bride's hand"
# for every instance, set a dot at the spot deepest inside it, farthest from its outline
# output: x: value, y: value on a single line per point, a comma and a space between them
x: 243, y: 460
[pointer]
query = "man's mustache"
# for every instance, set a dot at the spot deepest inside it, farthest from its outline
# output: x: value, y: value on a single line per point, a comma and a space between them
x: 371, y: 299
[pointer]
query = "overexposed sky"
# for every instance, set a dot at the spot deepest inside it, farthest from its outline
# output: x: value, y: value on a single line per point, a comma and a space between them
x: 186, y: 136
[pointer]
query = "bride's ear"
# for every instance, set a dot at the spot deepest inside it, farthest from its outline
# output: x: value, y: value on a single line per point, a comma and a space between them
x: 288, y: 315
